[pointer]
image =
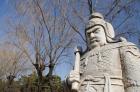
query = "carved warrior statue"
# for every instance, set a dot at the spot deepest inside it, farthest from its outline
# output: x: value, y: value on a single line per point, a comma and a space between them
x: 109, y: 65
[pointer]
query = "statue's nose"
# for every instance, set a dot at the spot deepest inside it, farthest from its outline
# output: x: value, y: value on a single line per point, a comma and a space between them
x: 92, y: 35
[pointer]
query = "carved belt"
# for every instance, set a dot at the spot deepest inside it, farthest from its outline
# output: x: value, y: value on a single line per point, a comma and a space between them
x: 101, y: 80
x: 105, y: 80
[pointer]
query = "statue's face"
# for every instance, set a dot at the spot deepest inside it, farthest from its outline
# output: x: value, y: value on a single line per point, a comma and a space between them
x: 96, y: 36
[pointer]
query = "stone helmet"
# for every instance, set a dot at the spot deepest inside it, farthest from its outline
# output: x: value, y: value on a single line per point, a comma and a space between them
x: 98, y: 19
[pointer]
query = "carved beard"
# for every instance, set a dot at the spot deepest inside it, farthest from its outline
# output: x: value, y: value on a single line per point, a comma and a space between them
x: 94, y: 43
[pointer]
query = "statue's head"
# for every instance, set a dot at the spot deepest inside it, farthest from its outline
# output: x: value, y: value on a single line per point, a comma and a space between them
x: 98, y: 31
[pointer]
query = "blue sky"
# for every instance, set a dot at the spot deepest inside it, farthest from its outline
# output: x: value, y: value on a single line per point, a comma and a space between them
x: 3, y: 7
x: 5, y: 11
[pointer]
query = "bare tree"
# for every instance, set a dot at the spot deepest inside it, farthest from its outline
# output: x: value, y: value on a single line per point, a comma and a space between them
x: 43, y: 35
x: 12, y: 62
x: 46, y: 29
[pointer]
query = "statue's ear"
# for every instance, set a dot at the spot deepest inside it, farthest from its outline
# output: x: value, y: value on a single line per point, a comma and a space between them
x: 109, y: 32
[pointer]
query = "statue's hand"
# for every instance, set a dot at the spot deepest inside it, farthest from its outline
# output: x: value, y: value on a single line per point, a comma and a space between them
x: 74, y: 76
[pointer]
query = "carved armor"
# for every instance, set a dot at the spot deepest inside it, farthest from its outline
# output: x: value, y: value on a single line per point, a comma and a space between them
x: 110, y: 65
x: 111, y: 68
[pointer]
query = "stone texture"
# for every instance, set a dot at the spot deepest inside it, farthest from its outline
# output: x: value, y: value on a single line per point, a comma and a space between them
x: 108, y: 65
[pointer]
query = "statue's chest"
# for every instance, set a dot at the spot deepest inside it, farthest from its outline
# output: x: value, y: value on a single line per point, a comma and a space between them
x: 101, y: 61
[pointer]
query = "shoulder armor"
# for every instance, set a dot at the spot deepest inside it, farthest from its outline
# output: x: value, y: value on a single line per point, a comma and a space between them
x: 130, y: 48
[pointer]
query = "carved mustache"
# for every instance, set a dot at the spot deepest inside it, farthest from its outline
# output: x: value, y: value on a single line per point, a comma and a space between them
x: 94, y: 39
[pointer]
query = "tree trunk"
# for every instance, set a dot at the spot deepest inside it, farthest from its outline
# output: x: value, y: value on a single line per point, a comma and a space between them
x: 39, y: 76
x: 51, y: 67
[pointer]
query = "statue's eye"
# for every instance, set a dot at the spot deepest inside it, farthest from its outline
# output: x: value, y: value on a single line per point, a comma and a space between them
x: 88, y: 34
x: 96, y: 31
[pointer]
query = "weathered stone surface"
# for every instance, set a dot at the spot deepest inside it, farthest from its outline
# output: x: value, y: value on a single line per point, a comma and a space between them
x: 108, y: 65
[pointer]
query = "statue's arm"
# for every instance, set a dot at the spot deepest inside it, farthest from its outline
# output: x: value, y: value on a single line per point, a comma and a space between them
x: 71, y: 78
x: 130, y: 56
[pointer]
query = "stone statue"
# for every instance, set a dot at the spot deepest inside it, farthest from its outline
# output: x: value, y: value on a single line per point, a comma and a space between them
x: 108, y: 65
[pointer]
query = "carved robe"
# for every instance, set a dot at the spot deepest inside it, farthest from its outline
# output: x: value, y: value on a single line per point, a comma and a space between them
x: 112, y: 68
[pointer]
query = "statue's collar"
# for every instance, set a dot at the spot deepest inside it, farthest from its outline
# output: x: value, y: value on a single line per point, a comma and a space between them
x: 110, y: 46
